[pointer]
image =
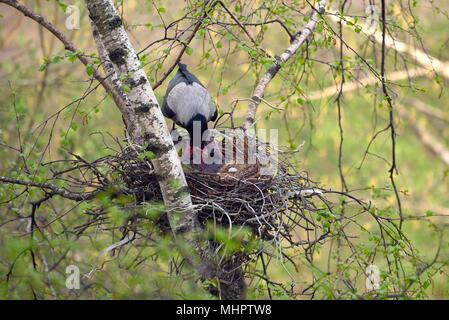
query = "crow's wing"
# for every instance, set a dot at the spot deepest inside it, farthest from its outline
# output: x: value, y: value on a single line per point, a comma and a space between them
x: 214, y: 112
x: 167, y: 110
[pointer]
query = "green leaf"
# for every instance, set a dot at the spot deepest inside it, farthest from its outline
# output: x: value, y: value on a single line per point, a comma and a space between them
x: 73, y: 126
x: 438, y: 79
x: 145, y: 155
x: 90, y: 69
x: 56, y: 59
x: 71, y: 55
x: 63, y: 6
x: 189, y: 51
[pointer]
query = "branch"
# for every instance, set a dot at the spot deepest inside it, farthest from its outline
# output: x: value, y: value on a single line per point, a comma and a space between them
x: 195, y: 30
x: 428, y: 110
x: 68, y: 45
x: 369, y: 80
x: 424, y: 59
x: 181, y: 53
x: 393, y: 168
x: 276, y: 66
x: 424, y: 136
x: 54, y: 189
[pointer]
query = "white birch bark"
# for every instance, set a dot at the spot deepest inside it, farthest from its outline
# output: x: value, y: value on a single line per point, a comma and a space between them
x: 426, y: 138
x: 145, y: 122
x: 146, y: 127
x: 275, y: 67
x: 420, y: 56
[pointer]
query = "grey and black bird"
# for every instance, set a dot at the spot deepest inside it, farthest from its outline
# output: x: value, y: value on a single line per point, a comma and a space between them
x: 187, y: 101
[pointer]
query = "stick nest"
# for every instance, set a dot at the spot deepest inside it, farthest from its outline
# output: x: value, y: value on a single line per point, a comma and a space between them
x: 272, y: 206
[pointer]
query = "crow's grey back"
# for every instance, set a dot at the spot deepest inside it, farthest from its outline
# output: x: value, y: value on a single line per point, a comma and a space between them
x: 187, y: 100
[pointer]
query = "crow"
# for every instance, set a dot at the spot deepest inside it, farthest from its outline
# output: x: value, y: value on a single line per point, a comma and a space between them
x: 188, y: 103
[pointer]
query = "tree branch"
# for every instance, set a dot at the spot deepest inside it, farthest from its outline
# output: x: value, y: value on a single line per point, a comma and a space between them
x: 187, y: 42
x: 365, y: 81
x: 68, y: 45
x: 424, y: 136
x: 428, y: 110
x: 393, y: 168
x: 421, y: 57
x: 276, y: 66
x: 81, y: 196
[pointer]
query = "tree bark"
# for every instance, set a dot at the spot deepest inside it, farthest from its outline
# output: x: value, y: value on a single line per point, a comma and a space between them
x: 146, y: 126
x: 276, y: 66
x: 145, y: 123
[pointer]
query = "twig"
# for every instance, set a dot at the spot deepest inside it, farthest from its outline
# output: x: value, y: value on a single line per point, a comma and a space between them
x: 54, y: 189
x: 393, y: 168
x: 68, y: 45
x: 276, y: 66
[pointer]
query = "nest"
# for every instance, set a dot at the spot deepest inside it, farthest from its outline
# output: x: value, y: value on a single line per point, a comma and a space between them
x: 282, y: 207
x: 272, y: 205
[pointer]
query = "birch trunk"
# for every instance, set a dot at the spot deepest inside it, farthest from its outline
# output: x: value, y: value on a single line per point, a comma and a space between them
x: 146, y: 126
x: 144, y: 121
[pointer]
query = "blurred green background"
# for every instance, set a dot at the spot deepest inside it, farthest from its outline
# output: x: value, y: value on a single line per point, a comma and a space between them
x: 229, y: 74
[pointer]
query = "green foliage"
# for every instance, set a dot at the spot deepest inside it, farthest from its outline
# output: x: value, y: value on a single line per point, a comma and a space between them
x: 44, y: 114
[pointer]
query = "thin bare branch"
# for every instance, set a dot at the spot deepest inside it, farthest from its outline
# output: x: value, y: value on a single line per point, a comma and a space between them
x: 276, y: 66
x: 77, y: 196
